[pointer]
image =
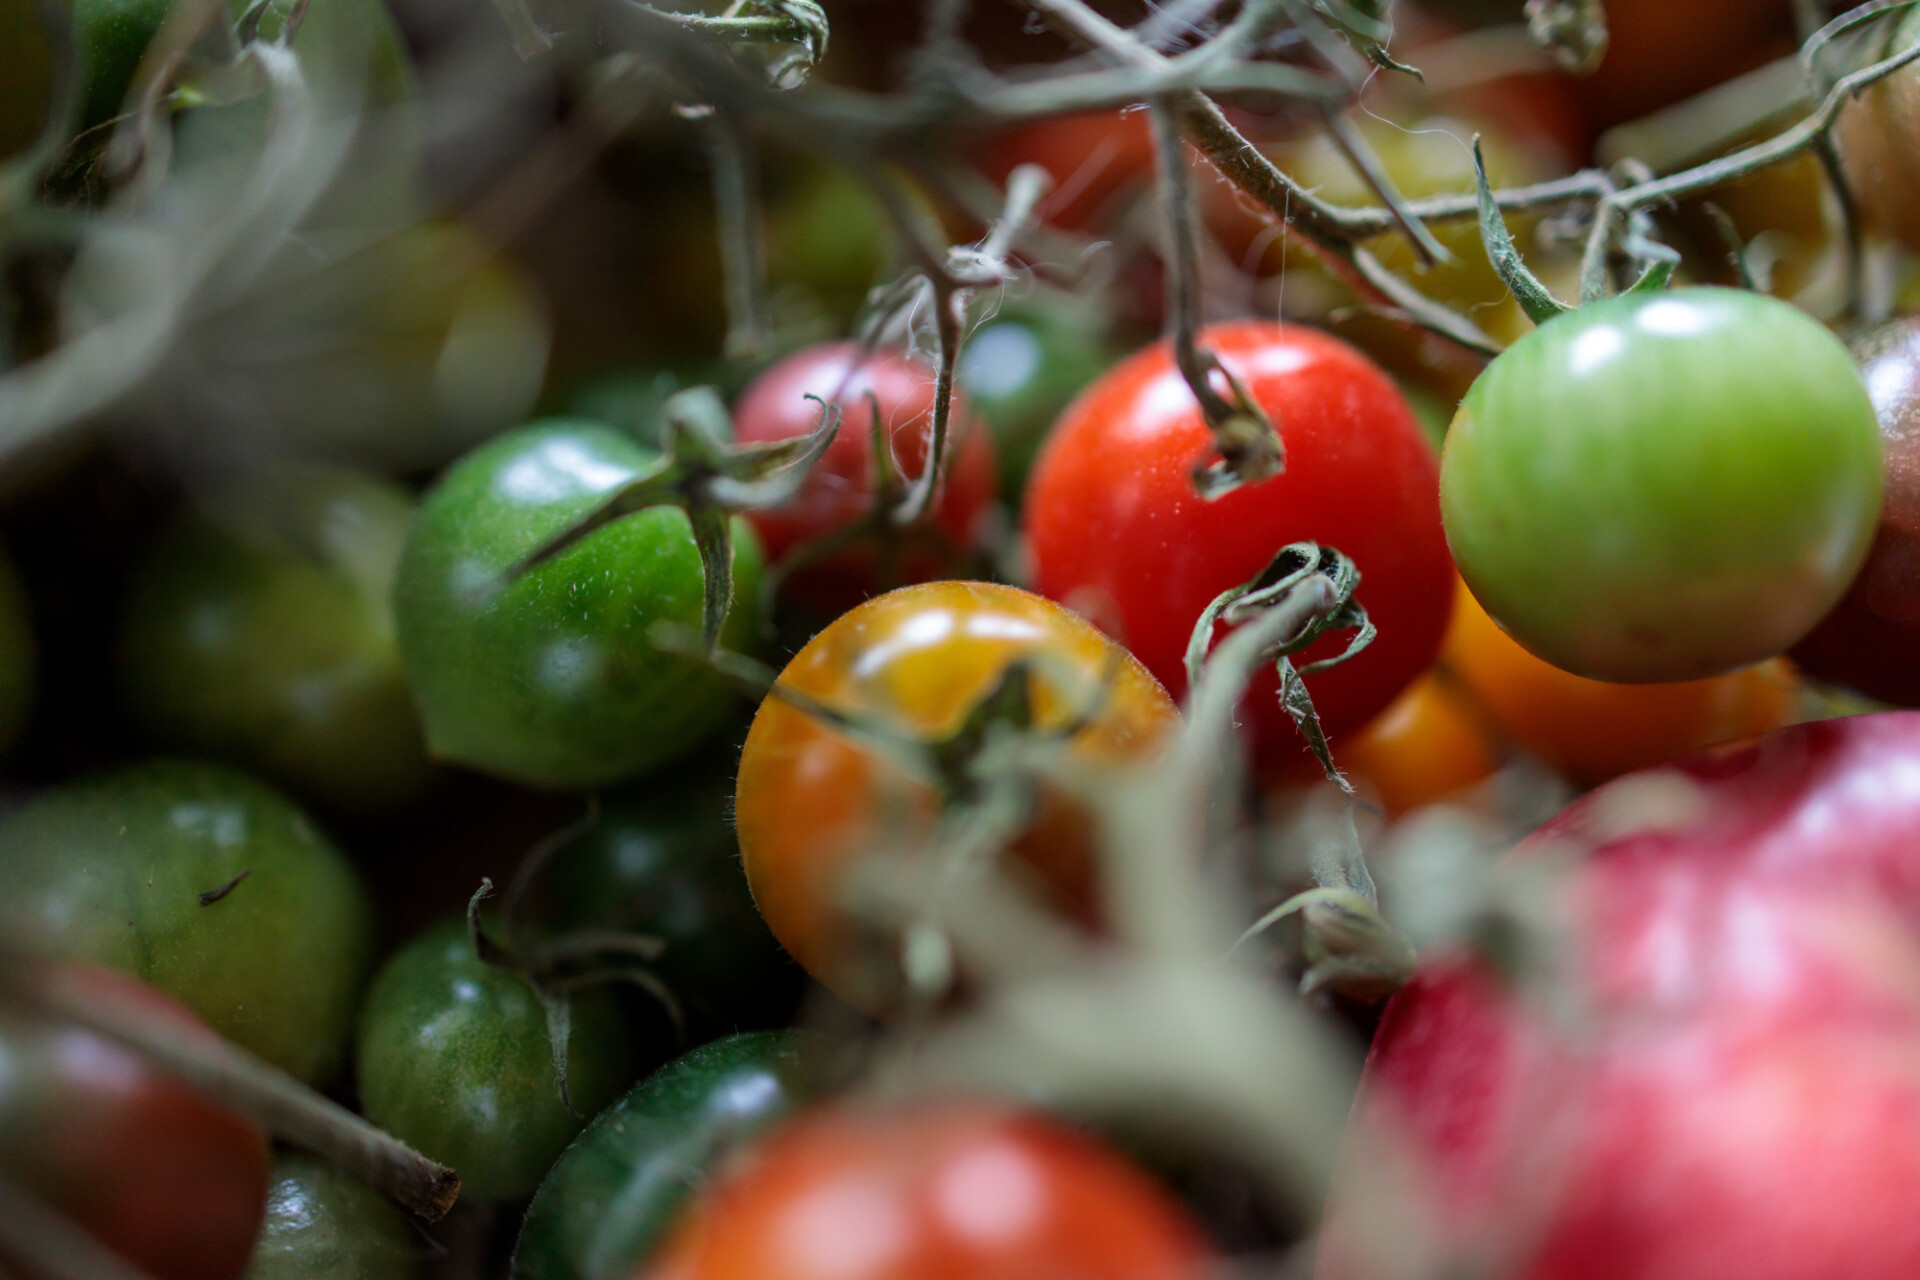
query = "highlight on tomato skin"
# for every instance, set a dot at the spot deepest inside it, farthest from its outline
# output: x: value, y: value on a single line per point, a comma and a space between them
x: 1117, y: 532
x: 810, y: 801
x: 935, y: 1191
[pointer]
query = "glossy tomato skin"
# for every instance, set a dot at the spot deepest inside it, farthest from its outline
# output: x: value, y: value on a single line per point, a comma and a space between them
x: 1632, y: 499
x: 113, y: 869
x: 942, y: 1192
x: 324, y: 1224
x: 1871, y: 641
x: 1736, y: 1097
x: 613, y: 1194
x: 1591, y: 730
x: 551, y: 679
x: 1118, y: 533
x: 261, y: 628
x: 453, y: 1057
x: 839, y: 490
x: 151, y: 1168
x: 809, y: 802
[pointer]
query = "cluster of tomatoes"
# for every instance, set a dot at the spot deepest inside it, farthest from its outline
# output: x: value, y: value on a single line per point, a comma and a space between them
x: 442, y: 799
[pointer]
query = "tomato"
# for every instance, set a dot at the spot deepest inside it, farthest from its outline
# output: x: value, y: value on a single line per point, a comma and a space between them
x: 840, y: 489
x: 1868, y: 640
x: 1020, y: 369
x: 262, y: 629
x: 1431, y: 743
x: 1094, y: 158
x: 155, y: 1171
x: 1592, y: 730
x: 827, y: 239
x: 1118, y: 533
x: 17, y: 656
x: 941, y: 1192
x: 1659, y: 52
x: 661, y: 861
x: 115, y: 869
x: 613, y: 1194
x: 323, y: 1224
x: 1877, y: 134
x: 1725, y: 1086
x: 1630, y: 502
x: 551, y: 678
x: 809, y: 800
x: 453, y: 1056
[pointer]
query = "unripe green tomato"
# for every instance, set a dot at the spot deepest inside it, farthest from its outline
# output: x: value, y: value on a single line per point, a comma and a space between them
x: 262, y: 629
x: 551, y: 678
x: 453, y: 1056
x: 323, y: 1224
x: 18, y: 656
x: 613, y: 1194
x: 1664, y: 486
x: 207, y: 884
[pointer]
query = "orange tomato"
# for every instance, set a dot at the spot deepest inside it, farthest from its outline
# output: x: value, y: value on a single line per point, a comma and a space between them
x: 811, y: 801
x: 1593, y: 730
x: 1430, y: 744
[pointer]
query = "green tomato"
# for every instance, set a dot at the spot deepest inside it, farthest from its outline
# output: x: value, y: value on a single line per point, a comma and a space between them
x: 1020, y: 369
x: 551, y: 678
x: 323, y: 1224
x: 1664, y: 486
x: 662, y: 861
x: 614, y: 1192
x: 129, y: 870
x: 828, y: 239
x: 453, y: 1056
x: 262, y: 629
x: 17, y: 656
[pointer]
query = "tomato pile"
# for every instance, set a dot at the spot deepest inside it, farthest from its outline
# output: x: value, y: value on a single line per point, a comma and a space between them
x: 775, y: 641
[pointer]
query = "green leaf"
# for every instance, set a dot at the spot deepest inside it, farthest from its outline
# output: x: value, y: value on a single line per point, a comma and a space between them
x: 1534, y: 298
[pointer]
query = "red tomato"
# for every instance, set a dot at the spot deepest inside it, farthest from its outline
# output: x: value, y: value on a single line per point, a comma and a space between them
x: 810, y: 800
x: 840, y: 489
x: 167, y: 1179
x: 1735, y: 1093
x: 940, y: 1192
x: 1871, y: 641
x: 1118, y: 533
x: 1663, y: 51
x: 1093, y: 158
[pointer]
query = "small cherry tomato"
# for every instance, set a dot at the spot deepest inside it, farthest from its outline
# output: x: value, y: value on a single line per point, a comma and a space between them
x: 827, y: 238
x: 209, y: 885
x: 261, y: 628
x: 454, y: 1057
x: 1094, y: 159
x: 1118, y: 533
x: 323, y: 1224
x: 1592, y: 730
x: 840, y: 489
x: 614, y: 1193
x: 1630, y: 502
x: 157, y: 1172
x: 1429, y: 744
x: 1660, y: 52
x: 550, y: 678
x: 811, y: 800
x: 942, y: 1192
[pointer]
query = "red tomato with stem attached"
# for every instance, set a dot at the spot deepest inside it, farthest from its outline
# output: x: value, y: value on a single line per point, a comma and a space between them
x: 945, y: 1191
x: 839, y: 492
x: 1118, y: 533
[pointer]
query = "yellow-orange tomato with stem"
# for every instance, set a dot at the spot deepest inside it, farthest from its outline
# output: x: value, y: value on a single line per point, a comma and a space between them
x: 1593, y: 730
x: 1430, y: 744
x: 811, y: 800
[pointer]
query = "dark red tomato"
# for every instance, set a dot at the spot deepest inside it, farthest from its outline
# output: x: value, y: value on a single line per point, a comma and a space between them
x: 1871, y: 641
x: 1734, y: 1092
x: 1118, y: 533
x: 1662, y: 51
x: 1094, y: 158
x: 155, y: 1171
x: 840, y: 490
x: 942, y: 1192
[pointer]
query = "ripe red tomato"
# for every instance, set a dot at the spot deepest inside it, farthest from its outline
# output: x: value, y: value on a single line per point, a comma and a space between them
x: 1093, y: 157
x: 154, y: 1170
x: 941, y: 1192
x: 1734, y: 1093
x: 1118, y: 533
x: 840, y: 489
x: 810, y: 800
x: 1663, y: 51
